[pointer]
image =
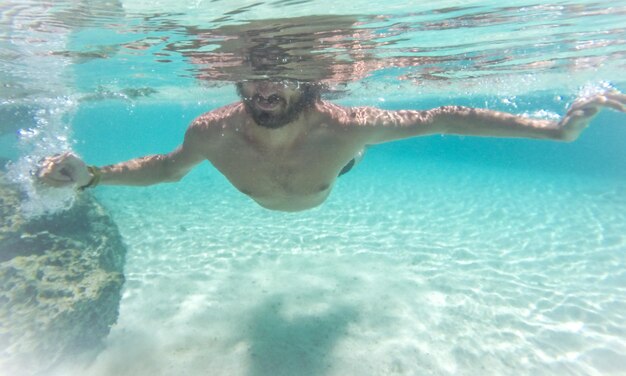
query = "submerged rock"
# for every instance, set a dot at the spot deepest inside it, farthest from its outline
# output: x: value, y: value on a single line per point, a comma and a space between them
x: 60, y: 282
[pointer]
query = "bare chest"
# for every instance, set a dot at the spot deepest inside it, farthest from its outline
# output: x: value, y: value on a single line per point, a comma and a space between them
x: 289, y: 178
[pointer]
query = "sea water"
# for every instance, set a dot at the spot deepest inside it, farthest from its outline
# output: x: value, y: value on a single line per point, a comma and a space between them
x: 441, y: 255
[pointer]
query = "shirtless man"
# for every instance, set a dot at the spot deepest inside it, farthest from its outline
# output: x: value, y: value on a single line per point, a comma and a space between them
x: 285, y: 147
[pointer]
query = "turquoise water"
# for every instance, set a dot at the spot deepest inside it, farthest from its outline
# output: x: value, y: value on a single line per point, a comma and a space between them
x: 434, y: 256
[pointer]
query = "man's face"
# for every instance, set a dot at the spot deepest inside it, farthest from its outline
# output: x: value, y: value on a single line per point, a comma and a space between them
x: 273, y: 104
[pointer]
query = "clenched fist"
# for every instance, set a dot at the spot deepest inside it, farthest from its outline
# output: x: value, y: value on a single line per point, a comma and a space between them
x: 63, y: 170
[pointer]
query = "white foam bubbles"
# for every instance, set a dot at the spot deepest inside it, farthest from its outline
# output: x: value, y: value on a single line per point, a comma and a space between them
x: 48, y: 135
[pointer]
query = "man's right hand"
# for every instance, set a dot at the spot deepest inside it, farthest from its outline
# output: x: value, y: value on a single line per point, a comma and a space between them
x: 63, y: 170
x: 584, y: 109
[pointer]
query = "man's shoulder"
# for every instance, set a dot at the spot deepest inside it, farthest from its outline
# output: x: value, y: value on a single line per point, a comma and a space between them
x: 330, y: 108
x: 360, y: 116
x: 218, y: 117
x: 334, y: 113
x: 344, y: 116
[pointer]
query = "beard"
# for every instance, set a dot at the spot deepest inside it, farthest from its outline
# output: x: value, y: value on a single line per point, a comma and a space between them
x: 288, y: 113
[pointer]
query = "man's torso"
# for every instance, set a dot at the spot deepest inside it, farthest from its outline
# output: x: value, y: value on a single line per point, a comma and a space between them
x: 294, y: 175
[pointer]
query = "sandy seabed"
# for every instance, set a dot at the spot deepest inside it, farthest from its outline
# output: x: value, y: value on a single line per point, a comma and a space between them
x: 423, y: 268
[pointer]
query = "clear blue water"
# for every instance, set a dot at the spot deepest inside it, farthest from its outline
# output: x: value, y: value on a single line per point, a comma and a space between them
x: 434, y: 256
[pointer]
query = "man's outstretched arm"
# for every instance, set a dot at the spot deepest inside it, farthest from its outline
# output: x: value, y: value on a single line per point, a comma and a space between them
x: 69, y: 170
x: 379, y: 126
